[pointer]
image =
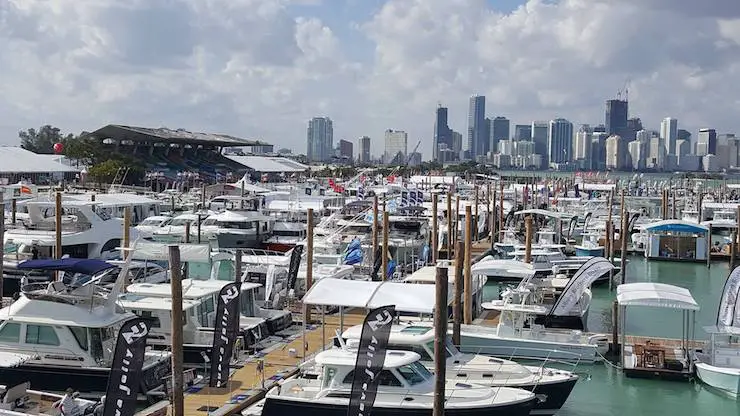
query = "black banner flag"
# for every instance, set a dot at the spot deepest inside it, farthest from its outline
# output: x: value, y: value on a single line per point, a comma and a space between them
x: 370, y: 358
x: 126, y: 369
x: 295, y: 264
x: 224, y: 333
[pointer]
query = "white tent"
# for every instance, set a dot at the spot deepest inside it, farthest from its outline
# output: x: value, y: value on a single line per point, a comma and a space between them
x: 363, y: 294
x: 658, y: 295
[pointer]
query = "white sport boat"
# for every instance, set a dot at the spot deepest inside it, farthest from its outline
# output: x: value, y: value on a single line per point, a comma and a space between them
x: 718, y: 365
x: 552, y: 386
x: 20, y: 400
x: 406, y: 387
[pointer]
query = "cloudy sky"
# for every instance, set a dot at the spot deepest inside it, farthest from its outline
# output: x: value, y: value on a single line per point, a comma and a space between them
x: 262, y: 68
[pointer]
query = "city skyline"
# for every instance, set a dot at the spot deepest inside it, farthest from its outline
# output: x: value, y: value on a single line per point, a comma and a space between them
x: 261, y: 69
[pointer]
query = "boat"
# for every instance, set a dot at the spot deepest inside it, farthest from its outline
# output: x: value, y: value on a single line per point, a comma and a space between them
x: 286, y: 235
x: 552, y: 386
x: 718, y: 364
x: 151, y: 224
x: 590, y: 245
x: 232, y: 229
x: 57, y: 341
x: 20, y: 400
x: 406, y: 387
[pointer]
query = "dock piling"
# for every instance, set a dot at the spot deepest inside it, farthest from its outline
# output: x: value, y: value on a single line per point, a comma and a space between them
x: 178, y: 398
x: 435, y: 228
x: 458, y: 293
x: 440, y: 334
x: 468, y: 283
x: 623, y: 235
x: 450, y: 232
x: 309, y: 265
x: 528, y: 239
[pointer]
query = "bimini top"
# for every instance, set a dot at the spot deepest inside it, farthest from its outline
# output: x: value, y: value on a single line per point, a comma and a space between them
x: 657, y: 295
x: 347, y: 358
x: 677, y: 226
x: 85, y: 266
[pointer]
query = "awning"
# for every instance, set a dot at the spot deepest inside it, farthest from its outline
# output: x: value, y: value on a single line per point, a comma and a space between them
x: 657, y: 295
x: 14, y: 359
x: 85, y: 266
x: 406, y: 297
x: 160, y: 252
x: 676, y: 226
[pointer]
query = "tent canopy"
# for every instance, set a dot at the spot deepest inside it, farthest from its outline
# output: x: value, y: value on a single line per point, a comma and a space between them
x: 85, y: 266
x: 160, y: 252
x: 363, y: 294
x: 657, y: 295
x: 676, y: 226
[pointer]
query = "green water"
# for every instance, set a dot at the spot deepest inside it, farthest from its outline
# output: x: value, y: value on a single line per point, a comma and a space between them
x: 604, y: 391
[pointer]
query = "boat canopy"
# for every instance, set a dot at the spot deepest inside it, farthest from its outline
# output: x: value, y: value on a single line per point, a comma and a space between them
x: 363, y: 294
x: 85, y: 266
x: 546, y: 213
x: 675, y: 226
x: 657, y: 295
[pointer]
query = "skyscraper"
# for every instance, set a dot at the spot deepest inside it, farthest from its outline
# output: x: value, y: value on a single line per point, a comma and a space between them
x: 478, y: 135
x: 539, y: 137
x: 320, y: 138
x: 442, y: 132
x: 582, y: 143
x: 615, y: 119
x: 669, y: 134
x: 615, y: 152
x: 396, y: 147
x: 523, y: 132
x: 346, y: 150
x: 706, y: 142
x: 559, y: 141
x: 500, y: 130
x: 364, y: 149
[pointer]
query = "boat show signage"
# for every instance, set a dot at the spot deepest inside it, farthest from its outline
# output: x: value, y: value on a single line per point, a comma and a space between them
x: 376, y: 330
x: 581, y: 280
x: 126, y: 371
x: 295, y: 264
x: 729, y: 304
x: 224, y: 333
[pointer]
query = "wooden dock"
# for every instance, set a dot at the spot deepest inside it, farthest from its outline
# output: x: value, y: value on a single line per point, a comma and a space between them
x: 245, y: 386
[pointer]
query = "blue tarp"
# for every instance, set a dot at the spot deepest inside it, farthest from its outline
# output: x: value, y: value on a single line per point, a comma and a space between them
x: 85, y: 266
x: 676, y: 226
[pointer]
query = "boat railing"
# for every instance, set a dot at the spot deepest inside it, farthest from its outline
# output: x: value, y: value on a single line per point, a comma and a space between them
x: 68, y: 227
x: 548, y: 356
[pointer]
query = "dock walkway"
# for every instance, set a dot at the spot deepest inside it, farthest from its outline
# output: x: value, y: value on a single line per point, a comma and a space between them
x: 245, y: 386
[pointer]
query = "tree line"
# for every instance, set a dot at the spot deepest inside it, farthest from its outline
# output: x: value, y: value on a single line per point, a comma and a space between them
x: 82, y: 149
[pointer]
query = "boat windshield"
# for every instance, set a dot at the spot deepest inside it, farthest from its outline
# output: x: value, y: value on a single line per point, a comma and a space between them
x: 414, y: 373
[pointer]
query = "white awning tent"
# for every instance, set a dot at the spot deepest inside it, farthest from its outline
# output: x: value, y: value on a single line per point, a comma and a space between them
x: 160, y: 252
x: 657, y: 295
x: 363, y: 294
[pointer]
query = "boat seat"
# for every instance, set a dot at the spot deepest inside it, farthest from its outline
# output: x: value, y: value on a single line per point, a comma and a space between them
x: 15, y: 396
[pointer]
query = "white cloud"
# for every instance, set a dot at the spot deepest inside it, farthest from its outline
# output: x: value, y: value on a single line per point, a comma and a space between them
x: 261, y: 68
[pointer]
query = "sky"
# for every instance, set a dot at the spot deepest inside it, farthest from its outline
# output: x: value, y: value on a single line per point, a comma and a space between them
x: 260, y: 69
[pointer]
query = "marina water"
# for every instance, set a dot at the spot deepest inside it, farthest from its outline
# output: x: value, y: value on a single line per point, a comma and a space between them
x: 604, y: 391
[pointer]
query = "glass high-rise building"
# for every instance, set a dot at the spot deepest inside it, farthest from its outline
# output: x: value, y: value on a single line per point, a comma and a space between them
x: 364, y: 149
x: 560, y: 141
x: 320, y: 138
x: 442, y: 132
x: 615, y: 118
x: 478, y: 135
x: 500, y: 130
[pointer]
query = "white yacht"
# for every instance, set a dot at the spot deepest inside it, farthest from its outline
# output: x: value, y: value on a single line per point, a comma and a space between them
x: 718, y: 364
x: 174, y: 232
x: 286, y: 235
x: 406, y: 388
x: 553, y: 385
x: 542, y: 263
x: 231, y: 229
x: 55, y: 342
x: 151, y: 224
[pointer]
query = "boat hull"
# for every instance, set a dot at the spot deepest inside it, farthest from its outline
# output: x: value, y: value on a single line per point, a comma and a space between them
x: 85, y: 380
x: 552, y: 396
x: 725, y: 379
x: 280, y: 407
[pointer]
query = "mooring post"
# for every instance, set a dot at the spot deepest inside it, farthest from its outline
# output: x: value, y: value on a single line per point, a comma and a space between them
x: 440, y: 335
x: 528, y: 239
x: 709, y: 246
x: 178, y: 399
x: 623, y: 234
x: 457, y: 310
x: 435, y: 228
x: 468, y: 283
x: 615, y: 327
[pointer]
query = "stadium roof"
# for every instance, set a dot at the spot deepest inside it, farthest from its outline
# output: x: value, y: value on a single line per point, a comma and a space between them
x: 266, y: 164
x: 163, y: 134
x: 19, y: 160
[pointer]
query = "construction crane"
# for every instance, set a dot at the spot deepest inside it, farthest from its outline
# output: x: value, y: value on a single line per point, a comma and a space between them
x: 408, y: 157
x: 626, y: 91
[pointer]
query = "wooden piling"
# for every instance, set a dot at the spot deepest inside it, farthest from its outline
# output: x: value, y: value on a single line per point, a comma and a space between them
x: 492, y: 213
x: 468, y: 278
x: 673, y: 204
x: 456, y: 220
x: 615, y: 328
x: 458, y: 292
x: 309, y: 264
x: 475, y: 215
x: 435, y: 228
x: 2, y: 241
x: 238, y: 265
x: 501, y: 212
x: 623, y: 234
x: 709, y: 246
x: 375, y: 226
x: 528, y: 239
x: 178, y: 398
x: 126, y: 231
x: 58, y: 227
x: 13, y: 211
x: 440, y: 336
x: 733, y: 248
x: 450, y: 232
x: 187, y: 232
x: 384, y: 250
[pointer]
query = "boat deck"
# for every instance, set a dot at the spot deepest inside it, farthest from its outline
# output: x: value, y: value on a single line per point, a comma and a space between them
x: 245, y: 386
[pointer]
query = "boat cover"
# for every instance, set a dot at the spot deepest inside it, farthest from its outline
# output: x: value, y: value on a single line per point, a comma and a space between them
x: 13, y: 359
x: 85, y: 266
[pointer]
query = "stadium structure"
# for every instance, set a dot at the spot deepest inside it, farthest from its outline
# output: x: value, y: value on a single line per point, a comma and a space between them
x: 180, y: 156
